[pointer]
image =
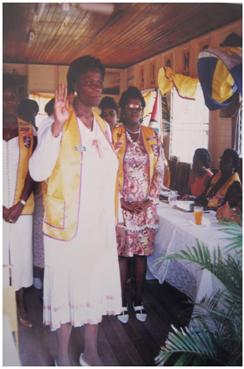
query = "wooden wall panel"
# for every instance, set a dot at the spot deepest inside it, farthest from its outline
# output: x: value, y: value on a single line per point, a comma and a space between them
x: 42, y: 78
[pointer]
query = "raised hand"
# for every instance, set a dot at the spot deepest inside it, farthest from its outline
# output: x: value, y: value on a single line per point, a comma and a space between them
x: 61, y: 113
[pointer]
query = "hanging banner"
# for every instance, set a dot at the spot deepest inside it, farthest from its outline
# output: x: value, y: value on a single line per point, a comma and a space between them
x: 220, y: 75
x: 186, y: 86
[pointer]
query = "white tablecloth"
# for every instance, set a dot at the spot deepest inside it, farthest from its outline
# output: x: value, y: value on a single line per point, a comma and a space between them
x: 177, y: 232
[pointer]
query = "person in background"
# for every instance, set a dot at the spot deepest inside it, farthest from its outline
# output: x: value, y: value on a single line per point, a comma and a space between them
x: 225, y: 185
x: 18, y: 202
x: 228, y: 214
x: 231, y: 210
x: 49, y: 107
x: 27, y: 110
x: 140, y: 177
x: 200, y: 173
x: 75, y: 157
x: 109, y: 111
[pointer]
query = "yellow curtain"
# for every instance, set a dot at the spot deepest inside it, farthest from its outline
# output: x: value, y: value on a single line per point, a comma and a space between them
x: 167, y: 79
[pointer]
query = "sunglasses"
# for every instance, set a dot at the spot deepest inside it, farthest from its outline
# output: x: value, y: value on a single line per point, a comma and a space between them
x: 136, y: 107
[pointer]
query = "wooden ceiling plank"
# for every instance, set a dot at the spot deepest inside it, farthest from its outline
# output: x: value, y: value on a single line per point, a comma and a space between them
x: 135, y: 31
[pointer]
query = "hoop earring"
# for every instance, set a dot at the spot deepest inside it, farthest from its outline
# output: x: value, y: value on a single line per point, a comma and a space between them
x: 75, y: 93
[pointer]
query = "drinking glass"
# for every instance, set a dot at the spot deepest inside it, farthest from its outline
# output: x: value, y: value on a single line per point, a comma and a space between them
x: 172, y: 198
x: 198, y: 214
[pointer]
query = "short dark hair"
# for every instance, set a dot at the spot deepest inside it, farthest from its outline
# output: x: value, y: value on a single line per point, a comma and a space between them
x: 49, y: 107
x: 27, y: 110
x: 204, y: 156
x: 131, y: 93
x: 108, y: 102
x: 80, y: 66
x: 234, y: 156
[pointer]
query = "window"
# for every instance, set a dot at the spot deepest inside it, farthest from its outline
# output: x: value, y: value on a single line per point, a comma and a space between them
x: 189, y: 123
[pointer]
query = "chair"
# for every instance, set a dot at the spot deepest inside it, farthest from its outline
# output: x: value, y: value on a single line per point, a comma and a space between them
x: 182, y: 177
x: 173, y: 168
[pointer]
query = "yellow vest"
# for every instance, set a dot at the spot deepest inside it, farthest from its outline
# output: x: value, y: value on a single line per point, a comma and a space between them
x: 215, y: 201
x: 150, y: 139
x: 25, y: 151
x: 62, y: 188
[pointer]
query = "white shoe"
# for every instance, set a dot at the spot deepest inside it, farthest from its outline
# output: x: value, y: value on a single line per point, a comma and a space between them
x: 82, y: 361
x: 124, y: 315
x: 141, y: 314
x: 37, y: 283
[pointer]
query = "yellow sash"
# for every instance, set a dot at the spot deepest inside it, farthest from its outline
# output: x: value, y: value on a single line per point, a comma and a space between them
x: 62, y: 188
x: 215, y: 201
x: 25, y: 151
x: 119, y: 141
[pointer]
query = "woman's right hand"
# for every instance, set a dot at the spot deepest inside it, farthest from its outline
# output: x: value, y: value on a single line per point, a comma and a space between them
x: 61, y: 113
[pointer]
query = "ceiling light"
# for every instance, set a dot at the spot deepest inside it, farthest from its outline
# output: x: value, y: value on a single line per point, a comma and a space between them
x: 30, y: 38
x: 106, y: 9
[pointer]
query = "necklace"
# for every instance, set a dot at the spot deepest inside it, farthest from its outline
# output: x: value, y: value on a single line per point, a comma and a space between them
x: 133, y: 132
x: 134, y: 139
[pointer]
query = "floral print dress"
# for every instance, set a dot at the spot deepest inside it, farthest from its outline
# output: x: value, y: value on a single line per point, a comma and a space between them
x: 140, y: 227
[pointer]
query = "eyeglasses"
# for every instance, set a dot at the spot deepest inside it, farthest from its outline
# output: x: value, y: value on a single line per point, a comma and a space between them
x: 91, y: 83
x: 136, y: 107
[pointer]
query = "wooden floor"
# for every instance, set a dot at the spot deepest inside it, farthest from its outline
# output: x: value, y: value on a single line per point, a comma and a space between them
x: 132, y: 344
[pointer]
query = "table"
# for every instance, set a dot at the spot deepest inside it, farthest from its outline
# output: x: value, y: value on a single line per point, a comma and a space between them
x: 177, y: 231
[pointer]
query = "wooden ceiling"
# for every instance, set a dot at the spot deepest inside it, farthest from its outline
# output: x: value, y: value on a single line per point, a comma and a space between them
x: 57, y: 33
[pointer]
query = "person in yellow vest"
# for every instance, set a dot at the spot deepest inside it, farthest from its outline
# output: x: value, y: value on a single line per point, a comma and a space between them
x: 18, y: 201
x: 225, y: 185
x: 139, y: 182
x: 227, y: 214
x: 75, y: 157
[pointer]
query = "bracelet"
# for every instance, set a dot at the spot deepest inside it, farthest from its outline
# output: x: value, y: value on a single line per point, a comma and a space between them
x: 23, y: 202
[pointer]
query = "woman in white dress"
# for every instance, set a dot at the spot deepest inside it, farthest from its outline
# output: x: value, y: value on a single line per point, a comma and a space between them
x: 75, y: 157
x: 17, y: 187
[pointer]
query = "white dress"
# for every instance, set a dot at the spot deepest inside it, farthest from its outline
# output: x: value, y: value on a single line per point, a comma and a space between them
x: 17, y: 238
x: 82, y: 281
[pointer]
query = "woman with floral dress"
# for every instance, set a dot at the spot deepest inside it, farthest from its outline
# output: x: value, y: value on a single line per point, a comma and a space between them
x: 138, y: 184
